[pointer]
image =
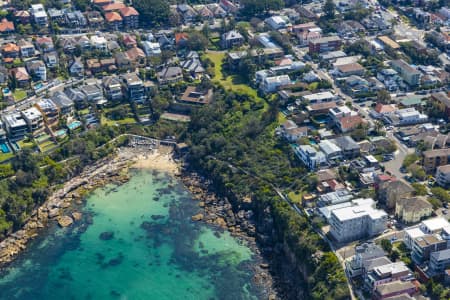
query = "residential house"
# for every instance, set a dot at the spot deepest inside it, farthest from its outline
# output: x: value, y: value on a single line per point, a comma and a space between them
x: 49, y: 110
x: 51, y: 59
x: 56, y: 16
x: 10, y: 50
x: 196, y: 96
x: 357, y: 221
x: 75, y: 19
x: 122, y: 61
x: 271, y: 84
x: 6, y: 27
x: 405, y: 116
x: 45, y: 44
x: 37, y: 70
x: 64, y: 103
x: 349, y: 123
x: 307, y: 32
x: 277, y: 22
x: 435, y: 158
x: 320, y: 97
x: 424, y: 245
x: 350, y: 149
x: 26, y: 48
x: 94, y: 18
x: 84, y: 43
x: 114, y: 20
x: 324, y: 44
x: 332, y: 151
x: 217, y: 10
x: 443, y: 175
x: 349, y: 28
x: 346, y: 70
x: 130, y: 17
x: 390, y: 192
x: 93, y: 66
x: 34, y: 119
x: 409, y: 74
x: 39, y: 15
x: 76, y: 67
x: 412, y: 210
x: 93, y: 94
x: 15, y: 126
x: 112, y: 88
x: 442, y: 101
x: 439, y: 261
x: 392, y: 289
x: 108, y: 65
x: 228, y: 6
x: 232, y: 39
x: 136, y: 56
x: 151, y: 48
x: 363, y: 253
x: 133, y: 87
x: 129, y: 41
x: 169, y: 75
x: 99, y: 43
x: 77, y: 97
x: 21, y: 76
x: 115, y: 6
x: 204, y: 12
x: 312, y: 158
x: 187, y: 12
x: 22, y: 17
x: 194, y: 67
x: 290, y: 131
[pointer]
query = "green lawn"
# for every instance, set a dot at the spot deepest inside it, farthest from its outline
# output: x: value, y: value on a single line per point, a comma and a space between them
x: 296, y: 197
x: 5, y: 156
x: 109, y: 122
x: 22, y: 144
x: 19, y: 94
x: 45, y: 146
x: 233, y: 83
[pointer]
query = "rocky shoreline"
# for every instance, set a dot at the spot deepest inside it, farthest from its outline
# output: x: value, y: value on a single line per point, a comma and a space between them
x: 56, y: 207
x: 218, y: 211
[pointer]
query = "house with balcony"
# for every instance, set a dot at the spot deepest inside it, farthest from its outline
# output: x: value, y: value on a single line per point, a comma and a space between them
x: 64, y: 103
x: 37, y: 70
x: 133, y: 87
x: 130, y: 17
x: 15, y: 126
x: 443, y: 175
x: 39, y: 15
x: 26, y: 48
x: 34, y: 119
x: 112, y: 88
x: 312, y: 158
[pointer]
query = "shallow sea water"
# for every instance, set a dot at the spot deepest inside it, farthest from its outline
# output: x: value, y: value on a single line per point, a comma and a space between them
x: 150, y: 249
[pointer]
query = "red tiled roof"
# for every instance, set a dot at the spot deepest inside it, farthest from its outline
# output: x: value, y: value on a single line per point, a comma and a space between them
x: 6, y: 25
x: 180, y: 36
x: 128, y: 11
x: 113, y: 6
x: 129, y: 40
x: 350, y: 122
x: 135, y: 53
x: 113, y: 17
x: 21, y: 73
x: 10, y: 47
x: 44, y: 39
x: 385, y: 108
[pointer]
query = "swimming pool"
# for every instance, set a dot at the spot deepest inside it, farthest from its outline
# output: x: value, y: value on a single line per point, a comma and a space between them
x: 60, y: 132
x: 5, y: 148
x: 39, y: 86
x: 74, y: 125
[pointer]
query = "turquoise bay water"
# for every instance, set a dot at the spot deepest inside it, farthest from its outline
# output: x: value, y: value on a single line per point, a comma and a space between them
x: 150, y: 249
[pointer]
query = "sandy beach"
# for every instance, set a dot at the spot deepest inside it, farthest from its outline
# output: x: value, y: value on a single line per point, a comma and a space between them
x: 157, y: 159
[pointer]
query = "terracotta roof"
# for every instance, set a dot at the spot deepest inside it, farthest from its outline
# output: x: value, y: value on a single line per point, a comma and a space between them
x: 113, y: 17
x: 385, y: 108
x: 180, y: 36
x: 351, y: 67
x: 135, y: 53
x: 10, y: 47
x: 102, y: 2
x: 113, y: 6
x: 350, y: 122
x: 21, y: 74
x: 128, y: 11
x: 21, y: 14
x: 129, y: 40
x: 6, y: 25
x: 44, y: 39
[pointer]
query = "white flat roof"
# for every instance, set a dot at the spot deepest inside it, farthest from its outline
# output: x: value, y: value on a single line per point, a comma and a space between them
x: 436, y: 223
x: 360, y: 207
x: 318, y: 96
x: 414, y: 232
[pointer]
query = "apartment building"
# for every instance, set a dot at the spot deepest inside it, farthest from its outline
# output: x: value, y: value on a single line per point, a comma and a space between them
x: 435, y: 158
x: 15, y: 126
x: 409, y: 74
x: 39, y: 15
x: 443, y: 175
x: 387, y: 273
x: 357, y: 221
x: 34, y: 119
x: 312, y: 158
x: 113, y: 88
x: 423, y: 246
x: 134, y: 87
x: 439, y: 261
x: 325, y: 44
x: 413, y: 209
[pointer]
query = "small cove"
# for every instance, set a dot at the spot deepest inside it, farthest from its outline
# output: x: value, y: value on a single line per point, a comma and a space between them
x: 135, y: 241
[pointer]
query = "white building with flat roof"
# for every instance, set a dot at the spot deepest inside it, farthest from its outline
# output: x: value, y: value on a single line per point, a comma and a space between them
x: 310, y: 156
x: 39, y: 14
x: 360, y: 220
x: 320, y: 97
x: 431, y: 226
x: 34, y: 119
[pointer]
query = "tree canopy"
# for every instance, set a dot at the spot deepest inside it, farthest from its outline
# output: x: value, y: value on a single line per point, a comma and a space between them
x: 153, y: 12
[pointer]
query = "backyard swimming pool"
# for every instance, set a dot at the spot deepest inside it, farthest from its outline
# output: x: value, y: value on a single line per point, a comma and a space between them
x: 5, y: 148
x: 74, y: 125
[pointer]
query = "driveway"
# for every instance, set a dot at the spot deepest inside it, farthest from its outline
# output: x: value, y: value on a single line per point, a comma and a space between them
x: 393, y: 166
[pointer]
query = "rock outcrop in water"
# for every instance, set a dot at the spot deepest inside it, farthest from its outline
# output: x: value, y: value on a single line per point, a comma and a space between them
x: 65, y: 221
x: 106, y: 236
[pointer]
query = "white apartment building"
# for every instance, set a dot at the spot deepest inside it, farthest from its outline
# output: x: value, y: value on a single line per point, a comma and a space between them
x: 39, y: 14
x: 310, y: 156
x: 271, y: 84
x: 443, y: 175
x: 360, y: 220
